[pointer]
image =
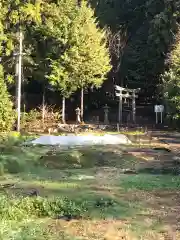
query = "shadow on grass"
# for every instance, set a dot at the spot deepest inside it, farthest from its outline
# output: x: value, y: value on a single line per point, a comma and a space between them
x: 100, y: 204
x: 150, y: 161
x: 156, y: 161
x: 88, y: 157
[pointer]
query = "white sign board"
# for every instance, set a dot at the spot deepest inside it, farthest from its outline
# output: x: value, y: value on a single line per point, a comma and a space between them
x: 158, y: 108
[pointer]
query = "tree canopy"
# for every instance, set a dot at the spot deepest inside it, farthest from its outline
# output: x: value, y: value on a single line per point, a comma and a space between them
x: 65, y: 45
x: 84, y: 59
x: 170, y: 84
x: 147, y: 30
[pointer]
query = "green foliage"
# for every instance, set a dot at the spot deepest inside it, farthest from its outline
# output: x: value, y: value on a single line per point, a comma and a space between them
x: 33, y: 115
x: 39, y: 207
x: 23, y: 15
x: 85, y: 59
x: 11, y: 139
x: 22, y: 215
x: 7, y: 114
x: 17, y: 217
x: 147, y: 32
x: 2, y: 171
x: 33, y: 120
x: 10, y: 164
x: 88, y: 56
x: 148, y: 182
x: 171, y: 84
x: 29, y: 230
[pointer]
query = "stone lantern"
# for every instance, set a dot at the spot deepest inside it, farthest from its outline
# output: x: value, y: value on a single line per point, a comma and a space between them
x: 78, y: 114
x: 106, y: 114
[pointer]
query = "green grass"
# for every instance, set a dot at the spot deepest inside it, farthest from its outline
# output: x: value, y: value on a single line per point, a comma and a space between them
x: 86, y: 182
x: 147, y: 182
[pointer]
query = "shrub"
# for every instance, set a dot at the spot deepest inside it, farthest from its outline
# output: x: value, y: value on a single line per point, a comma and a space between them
x: 7, y: 114
x: 170, y: 84
x: 23, y: 218
x: 18, y: 209
x: 2, y: 171
x: 31, y: 119
x: 14, y: 165
x: 40, y: 118
x: 30, y: 230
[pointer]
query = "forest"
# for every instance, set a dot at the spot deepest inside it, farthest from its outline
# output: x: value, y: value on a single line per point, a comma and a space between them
x: 76, y: 51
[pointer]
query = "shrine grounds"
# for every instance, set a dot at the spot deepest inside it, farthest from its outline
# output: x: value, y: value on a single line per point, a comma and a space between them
x: 99, y: 192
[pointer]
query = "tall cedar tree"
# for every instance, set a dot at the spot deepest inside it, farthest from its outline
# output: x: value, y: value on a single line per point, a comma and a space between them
x: 85, y: 59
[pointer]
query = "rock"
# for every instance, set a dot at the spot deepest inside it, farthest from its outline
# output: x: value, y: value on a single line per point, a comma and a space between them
x: 176, y: 158
x: 102, y: 127
x: 162, y: 149
x: 104, y: 203
x: 129, y: 171
x: 33, y: 193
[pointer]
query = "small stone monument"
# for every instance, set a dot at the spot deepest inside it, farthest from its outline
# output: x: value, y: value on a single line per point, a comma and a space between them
x: 78, y: 113
x: 106, y: 114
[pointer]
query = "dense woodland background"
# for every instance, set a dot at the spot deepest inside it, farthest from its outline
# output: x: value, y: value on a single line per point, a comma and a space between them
x: 142, y: 37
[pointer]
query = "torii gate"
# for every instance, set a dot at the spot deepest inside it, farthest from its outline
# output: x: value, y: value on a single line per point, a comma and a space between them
x: 129, y: 93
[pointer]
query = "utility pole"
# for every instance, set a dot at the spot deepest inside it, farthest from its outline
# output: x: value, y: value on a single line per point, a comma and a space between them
x: 120, y: 108
x: 19, y: 81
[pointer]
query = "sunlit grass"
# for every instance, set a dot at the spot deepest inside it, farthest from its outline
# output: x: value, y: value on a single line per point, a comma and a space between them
x: 102, y: 133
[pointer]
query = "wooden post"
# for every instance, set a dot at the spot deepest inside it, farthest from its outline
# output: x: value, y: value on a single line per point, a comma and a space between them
x: 134, y: 106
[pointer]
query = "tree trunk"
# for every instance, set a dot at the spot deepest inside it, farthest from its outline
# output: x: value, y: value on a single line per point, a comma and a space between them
x: 63, y: 110
x: 82, y: 103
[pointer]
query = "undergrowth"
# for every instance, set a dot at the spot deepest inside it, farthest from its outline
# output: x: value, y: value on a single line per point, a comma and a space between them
x: 30, y: 230
x: 23, y: 218
x: 20, y: 208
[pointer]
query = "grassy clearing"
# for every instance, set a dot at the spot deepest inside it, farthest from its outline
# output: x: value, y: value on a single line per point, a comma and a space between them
x: 88, y: 186
x: 147, y: 182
